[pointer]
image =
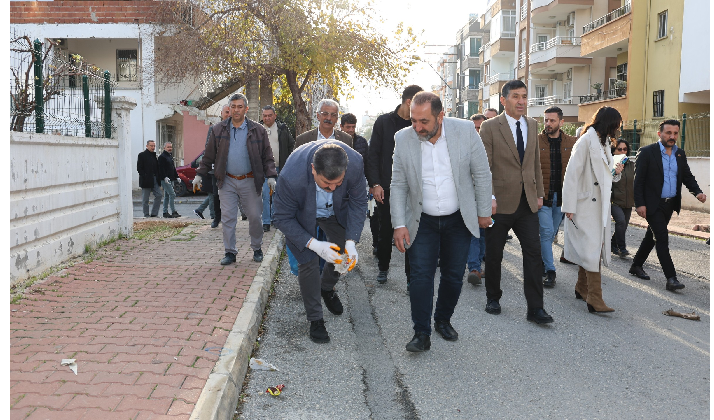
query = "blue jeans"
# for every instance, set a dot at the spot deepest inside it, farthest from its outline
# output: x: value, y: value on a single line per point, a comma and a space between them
x: 169, y: 195
x: 477, y: 250
x: 208, y: 202
x: 268, y: 209
x: 438, y: 237
x: 549, y: 219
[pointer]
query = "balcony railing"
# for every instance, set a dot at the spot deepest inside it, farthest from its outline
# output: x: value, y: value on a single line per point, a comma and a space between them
x: 607, y: 18
x: 522, y: 60
x: 608, y: 94
x: 499, y: 77
x: 549, y: 100
x: 524, y: 10
x: 558, y: 40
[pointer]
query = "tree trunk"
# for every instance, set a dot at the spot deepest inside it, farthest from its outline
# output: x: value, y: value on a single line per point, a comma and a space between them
x: 302, y: 119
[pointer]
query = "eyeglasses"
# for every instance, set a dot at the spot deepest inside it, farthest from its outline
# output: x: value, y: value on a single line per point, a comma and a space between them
x: 620, y: 149
x: 332, y: 114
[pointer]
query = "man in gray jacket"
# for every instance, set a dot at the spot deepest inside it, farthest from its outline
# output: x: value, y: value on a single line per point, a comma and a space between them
x: 441, y: 195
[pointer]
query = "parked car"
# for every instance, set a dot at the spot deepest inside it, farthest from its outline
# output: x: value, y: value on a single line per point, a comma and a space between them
x: 186, y: 173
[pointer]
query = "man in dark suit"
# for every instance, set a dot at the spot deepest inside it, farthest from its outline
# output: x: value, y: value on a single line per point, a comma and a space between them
x: 327, y: 113
x: 660, y: 170
x: 322, y: 184
x: 512, y: 147
x: 148, y: 167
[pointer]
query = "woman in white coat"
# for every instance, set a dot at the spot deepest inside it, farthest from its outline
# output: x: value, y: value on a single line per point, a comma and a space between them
x: 586, y: 204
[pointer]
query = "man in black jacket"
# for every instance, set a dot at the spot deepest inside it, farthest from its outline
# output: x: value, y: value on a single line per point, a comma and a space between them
x: 148, y: 168
x: 282, y: 143
x: 378, y: 168
x: 660, y: 170
x: 168, y: 174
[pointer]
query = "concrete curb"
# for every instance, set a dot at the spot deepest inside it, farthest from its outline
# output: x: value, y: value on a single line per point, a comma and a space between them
x: 219, y: 397
x: 676, y: 231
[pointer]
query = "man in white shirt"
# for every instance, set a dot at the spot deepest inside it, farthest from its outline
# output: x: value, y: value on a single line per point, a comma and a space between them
x: 281, y: 142
x: 440, y: 196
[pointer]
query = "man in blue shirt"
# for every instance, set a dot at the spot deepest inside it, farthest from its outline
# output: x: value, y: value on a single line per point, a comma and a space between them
x: 660, y: 170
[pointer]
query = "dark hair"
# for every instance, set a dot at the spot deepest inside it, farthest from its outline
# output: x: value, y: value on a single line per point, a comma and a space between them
x: 239, y: 97
x: 348, y: 119
x: 606, y: 121
x: 330, y: 161
x: 410, y: 91
x: 269, y: 108
x: 509, y: 86
x: 477, y: 117
x: 428, y: 97
x: 626, y: 144
x: 556, y: 110
x: 667, y: 122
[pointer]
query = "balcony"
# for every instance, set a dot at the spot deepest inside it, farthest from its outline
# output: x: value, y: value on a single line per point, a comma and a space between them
x: 613, y: 93
x: 499, y: 77
x: 524, y: 11
x: 556, y: 56
x: 470, y: 63
x: 589, y: 104
x: 603, y: 37
x: 522, y: 60
x: 537, y: 106
x: 551, y: 11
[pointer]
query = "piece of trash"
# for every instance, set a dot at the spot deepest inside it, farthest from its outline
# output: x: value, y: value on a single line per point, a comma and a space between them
x: 275, y: 390
x: 693, y: 316
x: 175, y: 358
x: 258, y: 364
x: 71, y: 363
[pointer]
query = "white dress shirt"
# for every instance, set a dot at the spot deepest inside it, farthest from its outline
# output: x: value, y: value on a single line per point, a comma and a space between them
x: 524, y: 129
x: 437, y: 177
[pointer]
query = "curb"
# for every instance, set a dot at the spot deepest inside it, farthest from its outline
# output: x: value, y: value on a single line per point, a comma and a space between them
x: 677, y: 231
x: 219, y: 397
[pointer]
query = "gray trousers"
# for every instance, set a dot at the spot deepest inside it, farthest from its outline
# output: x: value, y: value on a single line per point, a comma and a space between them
x: 311, y: 282
x: 146, y: 193
x: 232, y: 191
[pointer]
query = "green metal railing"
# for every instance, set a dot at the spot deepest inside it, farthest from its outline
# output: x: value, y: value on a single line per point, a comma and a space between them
x: 693, y: 134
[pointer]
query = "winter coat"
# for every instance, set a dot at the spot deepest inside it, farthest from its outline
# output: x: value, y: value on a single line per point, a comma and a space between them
x: 586, y: 193
x: 167, y: 167
x: 623, y: 191
x: 148, y: 168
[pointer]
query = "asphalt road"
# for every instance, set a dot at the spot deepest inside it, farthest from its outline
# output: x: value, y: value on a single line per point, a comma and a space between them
x: 634, y: 363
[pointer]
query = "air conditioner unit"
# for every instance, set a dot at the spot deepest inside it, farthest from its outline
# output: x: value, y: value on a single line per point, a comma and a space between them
x: 561, y: 23
x: 571, y: 19
x: 569, y: 74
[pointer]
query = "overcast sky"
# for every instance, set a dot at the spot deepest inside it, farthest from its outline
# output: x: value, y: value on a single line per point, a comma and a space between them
x: 440, y: 20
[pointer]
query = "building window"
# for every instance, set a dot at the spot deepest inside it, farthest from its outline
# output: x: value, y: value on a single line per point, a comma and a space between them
x: 509, y: 24
x: 622, y: 72
x: 662, y: 25
x: 127, y: 65
x: 658, y: 101
x: 474, y: 46
x: 474, y: 78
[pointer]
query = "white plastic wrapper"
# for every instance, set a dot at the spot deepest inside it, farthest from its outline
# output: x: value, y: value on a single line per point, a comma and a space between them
x: 259, y: 364
x: 344, y: 265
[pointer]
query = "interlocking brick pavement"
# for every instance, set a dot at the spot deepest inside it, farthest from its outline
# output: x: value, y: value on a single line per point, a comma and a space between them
x: 145, y: 321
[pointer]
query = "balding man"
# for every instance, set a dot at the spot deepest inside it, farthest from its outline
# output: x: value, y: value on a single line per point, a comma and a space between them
x: 327, y: 113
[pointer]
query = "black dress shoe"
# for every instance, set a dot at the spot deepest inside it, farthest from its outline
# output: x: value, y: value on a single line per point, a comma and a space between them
x: 382, y: 276
x: 493, y: 307
x: 318, y: 332
x: 243, y: 217
x: 228, y: 259
x: 215, y: 222
x: 446, y: 331
x: 167, y: 216
x: 199, y: 214
x: 332, y: 301
x: 175, y: 214
x: 266, y: 228
x: 549, y: 281
x: 258, y: 255
x: 420, y: 342
x: 539, y: 316
x: 154, y: 215
x: 674, y: 284
x: 637, y: 270
x: 564, y: 261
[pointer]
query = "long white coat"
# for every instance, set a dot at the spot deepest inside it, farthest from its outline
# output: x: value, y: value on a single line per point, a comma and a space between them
x: 586, y: 193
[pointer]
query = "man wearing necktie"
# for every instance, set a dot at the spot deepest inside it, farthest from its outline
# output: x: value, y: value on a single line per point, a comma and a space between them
x: 513, y: 155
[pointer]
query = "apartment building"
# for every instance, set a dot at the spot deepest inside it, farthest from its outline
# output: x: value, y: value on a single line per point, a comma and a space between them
x: 448, y: 90
x: 469, y: 40
x: 497, y: 52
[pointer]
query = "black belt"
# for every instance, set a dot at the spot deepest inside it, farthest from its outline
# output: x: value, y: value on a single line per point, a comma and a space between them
x: 667, y: 200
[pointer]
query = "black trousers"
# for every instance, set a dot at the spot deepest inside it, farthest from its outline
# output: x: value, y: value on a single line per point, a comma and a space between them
x: 216, y: 199
x: 657, y: 237
x: 526, y: 227
x: 374, y: 227
x: 386, y: 233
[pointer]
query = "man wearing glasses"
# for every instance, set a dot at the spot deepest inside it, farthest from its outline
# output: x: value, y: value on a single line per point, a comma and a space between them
x: 327, y: 113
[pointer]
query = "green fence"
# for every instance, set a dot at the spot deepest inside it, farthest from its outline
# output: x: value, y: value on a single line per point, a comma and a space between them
x: 693, y: 137
x: 55, y: 93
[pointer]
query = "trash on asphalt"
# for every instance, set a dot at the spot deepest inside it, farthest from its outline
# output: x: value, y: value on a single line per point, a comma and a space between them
x: 693, y: 316
x: 71, y: 363
x: 275, y: 390
x: 259, y: 364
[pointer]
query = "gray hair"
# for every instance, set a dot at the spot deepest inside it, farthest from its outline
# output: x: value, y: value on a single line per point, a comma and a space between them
x: 330, y: 161
x: 239, y: 96
x: 269, y: 108
x: 167, y: 143
x: 328, y: 102
x: 150, y: 141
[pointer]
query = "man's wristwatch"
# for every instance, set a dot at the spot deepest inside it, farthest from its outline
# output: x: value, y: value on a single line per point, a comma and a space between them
x: 376, y: 185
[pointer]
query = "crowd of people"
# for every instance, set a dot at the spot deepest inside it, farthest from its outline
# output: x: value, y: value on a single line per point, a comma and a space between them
x: 448, y: 191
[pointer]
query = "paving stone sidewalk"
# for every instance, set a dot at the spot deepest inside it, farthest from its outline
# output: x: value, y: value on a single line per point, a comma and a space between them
x: 145, y: 321
x: 682, y: 224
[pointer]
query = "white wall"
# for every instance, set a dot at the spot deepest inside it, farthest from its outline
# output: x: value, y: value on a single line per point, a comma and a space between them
x: 700, y: 169
x: 694, y: 72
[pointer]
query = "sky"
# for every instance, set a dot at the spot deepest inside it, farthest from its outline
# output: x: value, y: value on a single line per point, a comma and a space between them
x: 439, y: 23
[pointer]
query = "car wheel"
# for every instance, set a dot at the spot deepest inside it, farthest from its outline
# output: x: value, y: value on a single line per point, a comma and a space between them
x: 180, y: 188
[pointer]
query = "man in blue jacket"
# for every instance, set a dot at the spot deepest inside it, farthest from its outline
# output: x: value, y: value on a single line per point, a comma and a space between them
x: 322, y: 184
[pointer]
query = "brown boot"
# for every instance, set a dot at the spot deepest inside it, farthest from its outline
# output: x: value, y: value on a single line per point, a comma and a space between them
x: 581, y: 287
x: 594, y: 298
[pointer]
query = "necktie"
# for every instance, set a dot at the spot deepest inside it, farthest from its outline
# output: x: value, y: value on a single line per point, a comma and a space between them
x: 519, y: 140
